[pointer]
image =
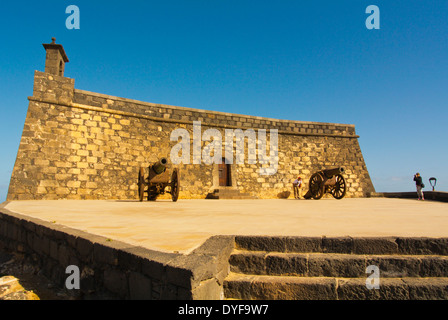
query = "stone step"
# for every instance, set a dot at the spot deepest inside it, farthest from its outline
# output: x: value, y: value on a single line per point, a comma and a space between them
x: 230, y: 197
x: 289, y: 268
x: 229, y: 193
x: 346, y: 245
x: 337, y: 265
x: 239, y: 197
x: 262, y: 287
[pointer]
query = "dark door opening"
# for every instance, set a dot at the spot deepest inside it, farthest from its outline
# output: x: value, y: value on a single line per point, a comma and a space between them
x: 224, y: 174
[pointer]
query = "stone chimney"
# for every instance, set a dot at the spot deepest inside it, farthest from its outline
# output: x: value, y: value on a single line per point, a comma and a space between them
x: 56, y: 58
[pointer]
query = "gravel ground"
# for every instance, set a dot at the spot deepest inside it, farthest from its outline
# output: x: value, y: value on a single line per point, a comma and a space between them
x: 29, y: 277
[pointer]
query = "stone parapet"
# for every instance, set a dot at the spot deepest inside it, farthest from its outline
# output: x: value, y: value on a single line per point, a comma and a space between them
x: 429, y: 195
x: 167, y: 113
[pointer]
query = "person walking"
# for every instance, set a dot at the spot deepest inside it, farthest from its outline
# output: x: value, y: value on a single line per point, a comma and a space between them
x: 419, y: 185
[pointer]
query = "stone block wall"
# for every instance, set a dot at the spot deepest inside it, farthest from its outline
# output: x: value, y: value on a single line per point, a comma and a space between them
x: 111, y: 269
x: 83, y: 145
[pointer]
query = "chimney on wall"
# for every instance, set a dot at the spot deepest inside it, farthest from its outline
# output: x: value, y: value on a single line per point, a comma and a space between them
x: 56, y: 58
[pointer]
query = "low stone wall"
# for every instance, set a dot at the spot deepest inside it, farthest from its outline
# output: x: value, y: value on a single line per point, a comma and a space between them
x: 429, y: 195
x: 114, y: 269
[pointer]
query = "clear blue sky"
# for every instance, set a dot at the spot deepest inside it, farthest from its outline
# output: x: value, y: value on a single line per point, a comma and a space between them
x: 298, y: 60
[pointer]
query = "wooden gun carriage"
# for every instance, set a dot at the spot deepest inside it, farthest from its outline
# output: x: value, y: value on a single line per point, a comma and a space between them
x: 327, y: 181
x: 157, y: 181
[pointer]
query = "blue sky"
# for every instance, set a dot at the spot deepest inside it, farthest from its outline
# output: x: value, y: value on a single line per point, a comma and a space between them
x: 298, y: 60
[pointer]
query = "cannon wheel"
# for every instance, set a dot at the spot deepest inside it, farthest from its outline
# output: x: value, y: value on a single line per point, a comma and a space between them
x: 317, y: 186
x: 339, y: 188
x: 175, y: 185
x: 141, y: 183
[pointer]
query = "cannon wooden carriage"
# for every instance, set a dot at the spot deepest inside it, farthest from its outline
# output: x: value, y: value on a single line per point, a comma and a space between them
x: 158, y: 181
x: 327, y: 181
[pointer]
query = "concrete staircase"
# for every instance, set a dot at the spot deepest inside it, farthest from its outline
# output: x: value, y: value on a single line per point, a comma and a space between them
x: 229, y: 193
x: 289, y: 268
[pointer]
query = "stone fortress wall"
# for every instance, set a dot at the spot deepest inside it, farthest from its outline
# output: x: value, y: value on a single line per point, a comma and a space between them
x: 83, y: 145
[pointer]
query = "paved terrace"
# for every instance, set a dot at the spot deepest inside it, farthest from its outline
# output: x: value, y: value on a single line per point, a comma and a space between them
x: 185, y: 225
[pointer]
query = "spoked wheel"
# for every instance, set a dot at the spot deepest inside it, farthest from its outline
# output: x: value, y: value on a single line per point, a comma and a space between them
x: 141, y: 184
x: 316, y: 186
x: 175, y: 185
x: 339, y: 188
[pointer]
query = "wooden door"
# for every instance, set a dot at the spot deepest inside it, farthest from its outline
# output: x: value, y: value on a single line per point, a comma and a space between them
x: 224, y: 174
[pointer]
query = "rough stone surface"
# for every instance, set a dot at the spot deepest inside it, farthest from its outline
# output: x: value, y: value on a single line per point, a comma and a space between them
x: 20, y: 279
x: 427, y: 288
x: 280, y: 288
x: 260, y: 243
x: 11, y: 289
x: 355, y: 289
x: 328, y: 265
x: 286, y: 264
x: 397, y: 266
x: 245, y: 263
x: 375, y: 245
x: 337, y: 245
x: 423, y: 246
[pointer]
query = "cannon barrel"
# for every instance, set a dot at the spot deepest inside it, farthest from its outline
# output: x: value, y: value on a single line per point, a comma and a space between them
x: 160, y: 166
x: 329, y: 173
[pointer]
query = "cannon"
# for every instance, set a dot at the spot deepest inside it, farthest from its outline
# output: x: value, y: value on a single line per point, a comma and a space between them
x: 327, y: 181
x: 157, y: 181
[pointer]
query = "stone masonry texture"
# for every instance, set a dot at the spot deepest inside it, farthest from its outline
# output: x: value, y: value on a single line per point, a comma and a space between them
x: 82, y: 145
